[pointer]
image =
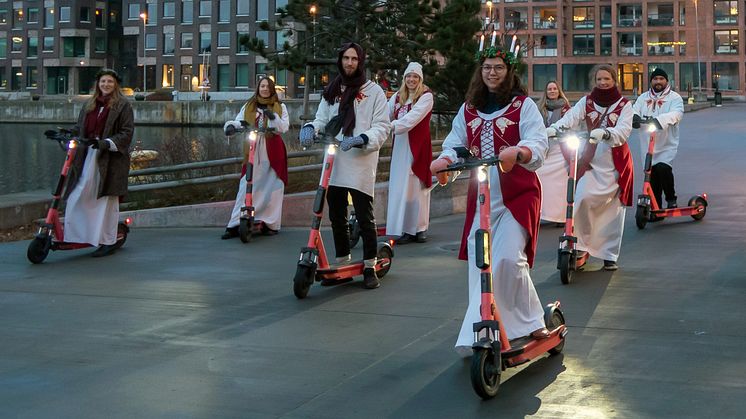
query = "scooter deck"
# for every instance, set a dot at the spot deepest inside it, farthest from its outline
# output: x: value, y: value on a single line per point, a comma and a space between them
x: 526, y: 348
x: 346, y: 270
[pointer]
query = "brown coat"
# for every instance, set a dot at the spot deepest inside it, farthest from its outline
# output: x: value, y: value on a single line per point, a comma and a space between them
x: 113, y: 166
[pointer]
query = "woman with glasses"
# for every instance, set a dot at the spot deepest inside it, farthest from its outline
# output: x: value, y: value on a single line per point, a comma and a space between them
x: 498, y: 119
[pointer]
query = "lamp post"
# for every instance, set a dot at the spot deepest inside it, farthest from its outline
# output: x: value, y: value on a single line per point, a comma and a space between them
x: 144, y: 18
x: 699, y: 71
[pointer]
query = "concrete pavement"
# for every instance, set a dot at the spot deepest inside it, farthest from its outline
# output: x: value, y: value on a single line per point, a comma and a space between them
x: 182, y: 324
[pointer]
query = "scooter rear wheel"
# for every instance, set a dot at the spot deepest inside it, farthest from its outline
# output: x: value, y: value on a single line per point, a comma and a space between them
x: 302, y: 281
x: 244, y: 229
x: 641, y: 217
x: 485, y: 374
x: 384, y: 252
x: 564, y: 267
x: 38, y: 249
x: 697, y: 201
x: 556, y: 320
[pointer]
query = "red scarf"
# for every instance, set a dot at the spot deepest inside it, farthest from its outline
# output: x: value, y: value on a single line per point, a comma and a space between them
x: 605, y: 97
x: 95, y: 120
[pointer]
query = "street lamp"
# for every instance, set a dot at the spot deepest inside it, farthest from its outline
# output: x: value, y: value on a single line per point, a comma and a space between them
x: 699, y: 71
x: 144, y: 18
x: 313, y: 29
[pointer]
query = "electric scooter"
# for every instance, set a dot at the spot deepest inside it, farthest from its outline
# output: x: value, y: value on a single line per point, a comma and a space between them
x: 247, y: 227
x: 567, y: 254
x: 493, y: 352
x: 51, y: 235
x: 313, y: 264
x: 648, y: 209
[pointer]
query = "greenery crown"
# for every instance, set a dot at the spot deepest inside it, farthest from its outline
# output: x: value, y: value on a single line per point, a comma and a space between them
x: 497, y: 52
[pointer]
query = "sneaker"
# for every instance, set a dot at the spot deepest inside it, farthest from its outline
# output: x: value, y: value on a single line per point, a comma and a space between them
x: 671, y: 204
x: 610, y: 265
x: 370, y: 280
x: 230, y: 233
x: 421, y: 237
x: 104, y: 250
x: 406, y: 238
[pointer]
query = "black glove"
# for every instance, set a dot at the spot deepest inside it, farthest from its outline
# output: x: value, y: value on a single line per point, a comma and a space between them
x: 269, y: 114
x: 100, y: 144
x: 636, y: 121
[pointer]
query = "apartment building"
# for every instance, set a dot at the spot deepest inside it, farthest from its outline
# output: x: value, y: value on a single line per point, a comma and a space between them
x: 695, y: 42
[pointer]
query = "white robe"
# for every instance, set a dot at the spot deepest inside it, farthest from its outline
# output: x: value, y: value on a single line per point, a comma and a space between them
x: 89, y: 219
x: 409, y: 200
x: 268, y: 189
x: 356, y: 168
x: 599, y: 214
x: 553, y: 176
x: 520, y: 308
x: 668, y: 115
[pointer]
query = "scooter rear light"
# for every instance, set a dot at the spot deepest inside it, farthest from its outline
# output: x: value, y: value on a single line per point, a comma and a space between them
x: 128, y: 221
x: 391, y: 242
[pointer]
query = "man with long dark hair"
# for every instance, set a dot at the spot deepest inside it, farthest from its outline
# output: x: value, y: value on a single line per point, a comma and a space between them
x: 362, y: 111
x: 499, y: 119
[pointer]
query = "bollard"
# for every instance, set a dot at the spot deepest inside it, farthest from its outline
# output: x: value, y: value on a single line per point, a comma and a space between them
x: 718, y: 99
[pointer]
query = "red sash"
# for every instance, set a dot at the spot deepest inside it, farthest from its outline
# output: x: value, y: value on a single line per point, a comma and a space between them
x: 419, y: 143
x: 621, y: 155
x: 277, y: 155
x: 521, y: 189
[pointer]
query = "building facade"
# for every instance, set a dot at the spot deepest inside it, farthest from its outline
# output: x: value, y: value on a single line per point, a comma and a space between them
x: 698, y: 43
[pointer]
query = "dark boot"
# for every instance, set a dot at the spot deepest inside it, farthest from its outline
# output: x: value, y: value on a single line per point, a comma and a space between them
x: 671, y: 204
x: 406, y: 238
x: 230, y: 233
x: 104, y: 250
x: 370, y: 280
x: 421, y: 237
x: 610, y: 265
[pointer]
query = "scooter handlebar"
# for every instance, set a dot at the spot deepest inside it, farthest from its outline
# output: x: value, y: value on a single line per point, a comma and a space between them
x: 638, y: 121
x: 470, y: 163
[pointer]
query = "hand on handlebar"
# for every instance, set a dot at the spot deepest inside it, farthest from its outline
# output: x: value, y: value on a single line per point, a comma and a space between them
x: 231, y: 127
x: 513, y: 155
x: 307, y: 135
x: 439, y: 165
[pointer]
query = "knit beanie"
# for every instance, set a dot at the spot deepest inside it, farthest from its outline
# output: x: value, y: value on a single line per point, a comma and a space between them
x: 659, y: 72
x: 415, y: 68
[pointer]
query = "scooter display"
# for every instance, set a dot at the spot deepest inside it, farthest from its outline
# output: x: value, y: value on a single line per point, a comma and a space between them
x: 51, y: 235
x: 313, y: 264
x: 493, y: 352
x: 247, y: 226
x: 648, y: 209
x: 567, y: 254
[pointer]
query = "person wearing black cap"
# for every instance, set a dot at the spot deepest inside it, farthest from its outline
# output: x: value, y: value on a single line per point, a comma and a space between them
x: 362, y: 109
x: 98, y: 178
x: 667, y: 107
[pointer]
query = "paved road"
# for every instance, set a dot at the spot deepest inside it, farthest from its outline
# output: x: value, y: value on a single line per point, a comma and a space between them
x: 181, y: 324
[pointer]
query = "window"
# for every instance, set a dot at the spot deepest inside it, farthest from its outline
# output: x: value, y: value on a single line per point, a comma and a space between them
x: 688, y: 78
x: 242, y: 75
x: 224, y: 11
x: 605, y: 44
x: 582, y: 18
x: 545, y: 18
x: 281, y: 4
x: 205, y: 39
x: 660, y: 14
x: 32, y: 74
x: 134, y: 11
x: 543, y: 74
x: 224, y: 39
x: 205, y: 8
x: 630, y: 15
x: 65, y: 14
x: 169, y: 9
x: 3, y: 77
x: 660, y: 43
x: 583, y: 45
x: 263, y: 36
x: 282, y: 78
x: 682, y: 14
x: 280, y: 40
x: 3, y: 16
x: 15, y: 81
x: 100, y: 13
x: 18, y: 18
x: 73, y: 47
x: 32, y: 47
x: 187, y: 12
x: 152, y: 14
x: 630, y: 43
x: 241, y: 38
x: 169, y: 44
x: 262, y: 10
x: 150, y: 41
x: 49, y: 17
x: 48, y: 43
x: 32, y: 14
x: 546, y: 46
x: 100, y: 44
x: 726, y: 42
x: 17, y: 44
x: 187, y: 38
x: 168, y: 75
x: 224, y: 77
x: 726, y: 12
x: 3, y: 48
x: 575, y: 77
x: 186, y: 77
x: 242, y: 8
x: 262, y: 71
x: 516, y: 18
x: 85, y: 14
x: 725, y: 76
x: 605, y: 17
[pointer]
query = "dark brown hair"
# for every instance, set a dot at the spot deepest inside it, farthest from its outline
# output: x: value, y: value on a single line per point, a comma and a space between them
x: 510, y: 87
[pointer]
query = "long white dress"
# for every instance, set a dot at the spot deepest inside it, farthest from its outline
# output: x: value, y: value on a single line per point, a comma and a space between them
x: 599, y: 214
x: 409, y: 200
x: 268, y: 189
x: 520, y: 308
x: 553, y: 176
x: 668, y: 110
x: 89, y: 219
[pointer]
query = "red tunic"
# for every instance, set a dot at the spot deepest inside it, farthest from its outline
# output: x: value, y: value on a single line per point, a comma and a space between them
x: 521, y: 189
x: 419, y: 143
x: 620, y: 154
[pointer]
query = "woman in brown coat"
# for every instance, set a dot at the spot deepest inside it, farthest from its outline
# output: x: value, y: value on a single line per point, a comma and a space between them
x: 99, y: 175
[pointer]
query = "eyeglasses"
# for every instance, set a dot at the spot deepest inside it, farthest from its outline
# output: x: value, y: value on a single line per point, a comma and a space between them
x: 498, y: 68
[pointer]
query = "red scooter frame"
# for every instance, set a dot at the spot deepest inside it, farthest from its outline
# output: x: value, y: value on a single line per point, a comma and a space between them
x: 247, y: 226
x: 648, y: 209
x: 313, y: 263
x: 493, y: 352
x: 51, y: 235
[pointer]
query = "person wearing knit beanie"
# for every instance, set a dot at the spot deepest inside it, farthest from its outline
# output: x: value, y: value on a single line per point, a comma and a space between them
x: 658, y: 72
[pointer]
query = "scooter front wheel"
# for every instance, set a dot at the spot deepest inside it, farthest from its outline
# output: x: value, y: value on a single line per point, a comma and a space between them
x: 564, y: 267
x: 698, y: 201
x: 38, y: 249
x: 485, y: 373
x: 244, y: 229
x: 304, y: 276
x: 641, y: 217
x: 555, y: 319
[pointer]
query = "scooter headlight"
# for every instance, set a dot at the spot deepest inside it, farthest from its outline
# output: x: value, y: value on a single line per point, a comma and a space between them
x: 573, y: 142
x: 72, y: 144
x: 331, y: 149
x: 252, y: 136
x: 651, y: 128
x: 481, y: 174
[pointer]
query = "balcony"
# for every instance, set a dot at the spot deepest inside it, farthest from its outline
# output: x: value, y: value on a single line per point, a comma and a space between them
x: 726, y: 19
x: 584, y: 51
x: 516, y: 23
x: 549, y: 23
x: 630, y: 50
x: 727, y: 49
x: 545, y: 52
x: 660, y: 50
x: 660, y: 20
x: 630, y: 21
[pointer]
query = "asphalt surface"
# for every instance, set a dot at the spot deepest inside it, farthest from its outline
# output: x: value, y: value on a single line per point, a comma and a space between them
x: 181, y: 324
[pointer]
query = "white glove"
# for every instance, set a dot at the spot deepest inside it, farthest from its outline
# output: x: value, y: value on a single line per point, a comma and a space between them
x: 599, y: 134
x: 551, y: 132
x: 231, y: 127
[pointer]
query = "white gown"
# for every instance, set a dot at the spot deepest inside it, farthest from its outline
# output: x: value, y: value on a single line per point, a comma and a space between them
x: 553, y: 176
x: 520, y: 308
x: 409, y: 200
x: 89, y: 219
x: 268, y: 190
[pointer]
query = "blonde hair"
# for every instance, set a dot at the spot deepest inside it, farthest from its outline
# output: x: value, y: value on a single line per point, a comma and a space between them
x: 418, y: 92
x: 116, y: 95
x: 542, y: 103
